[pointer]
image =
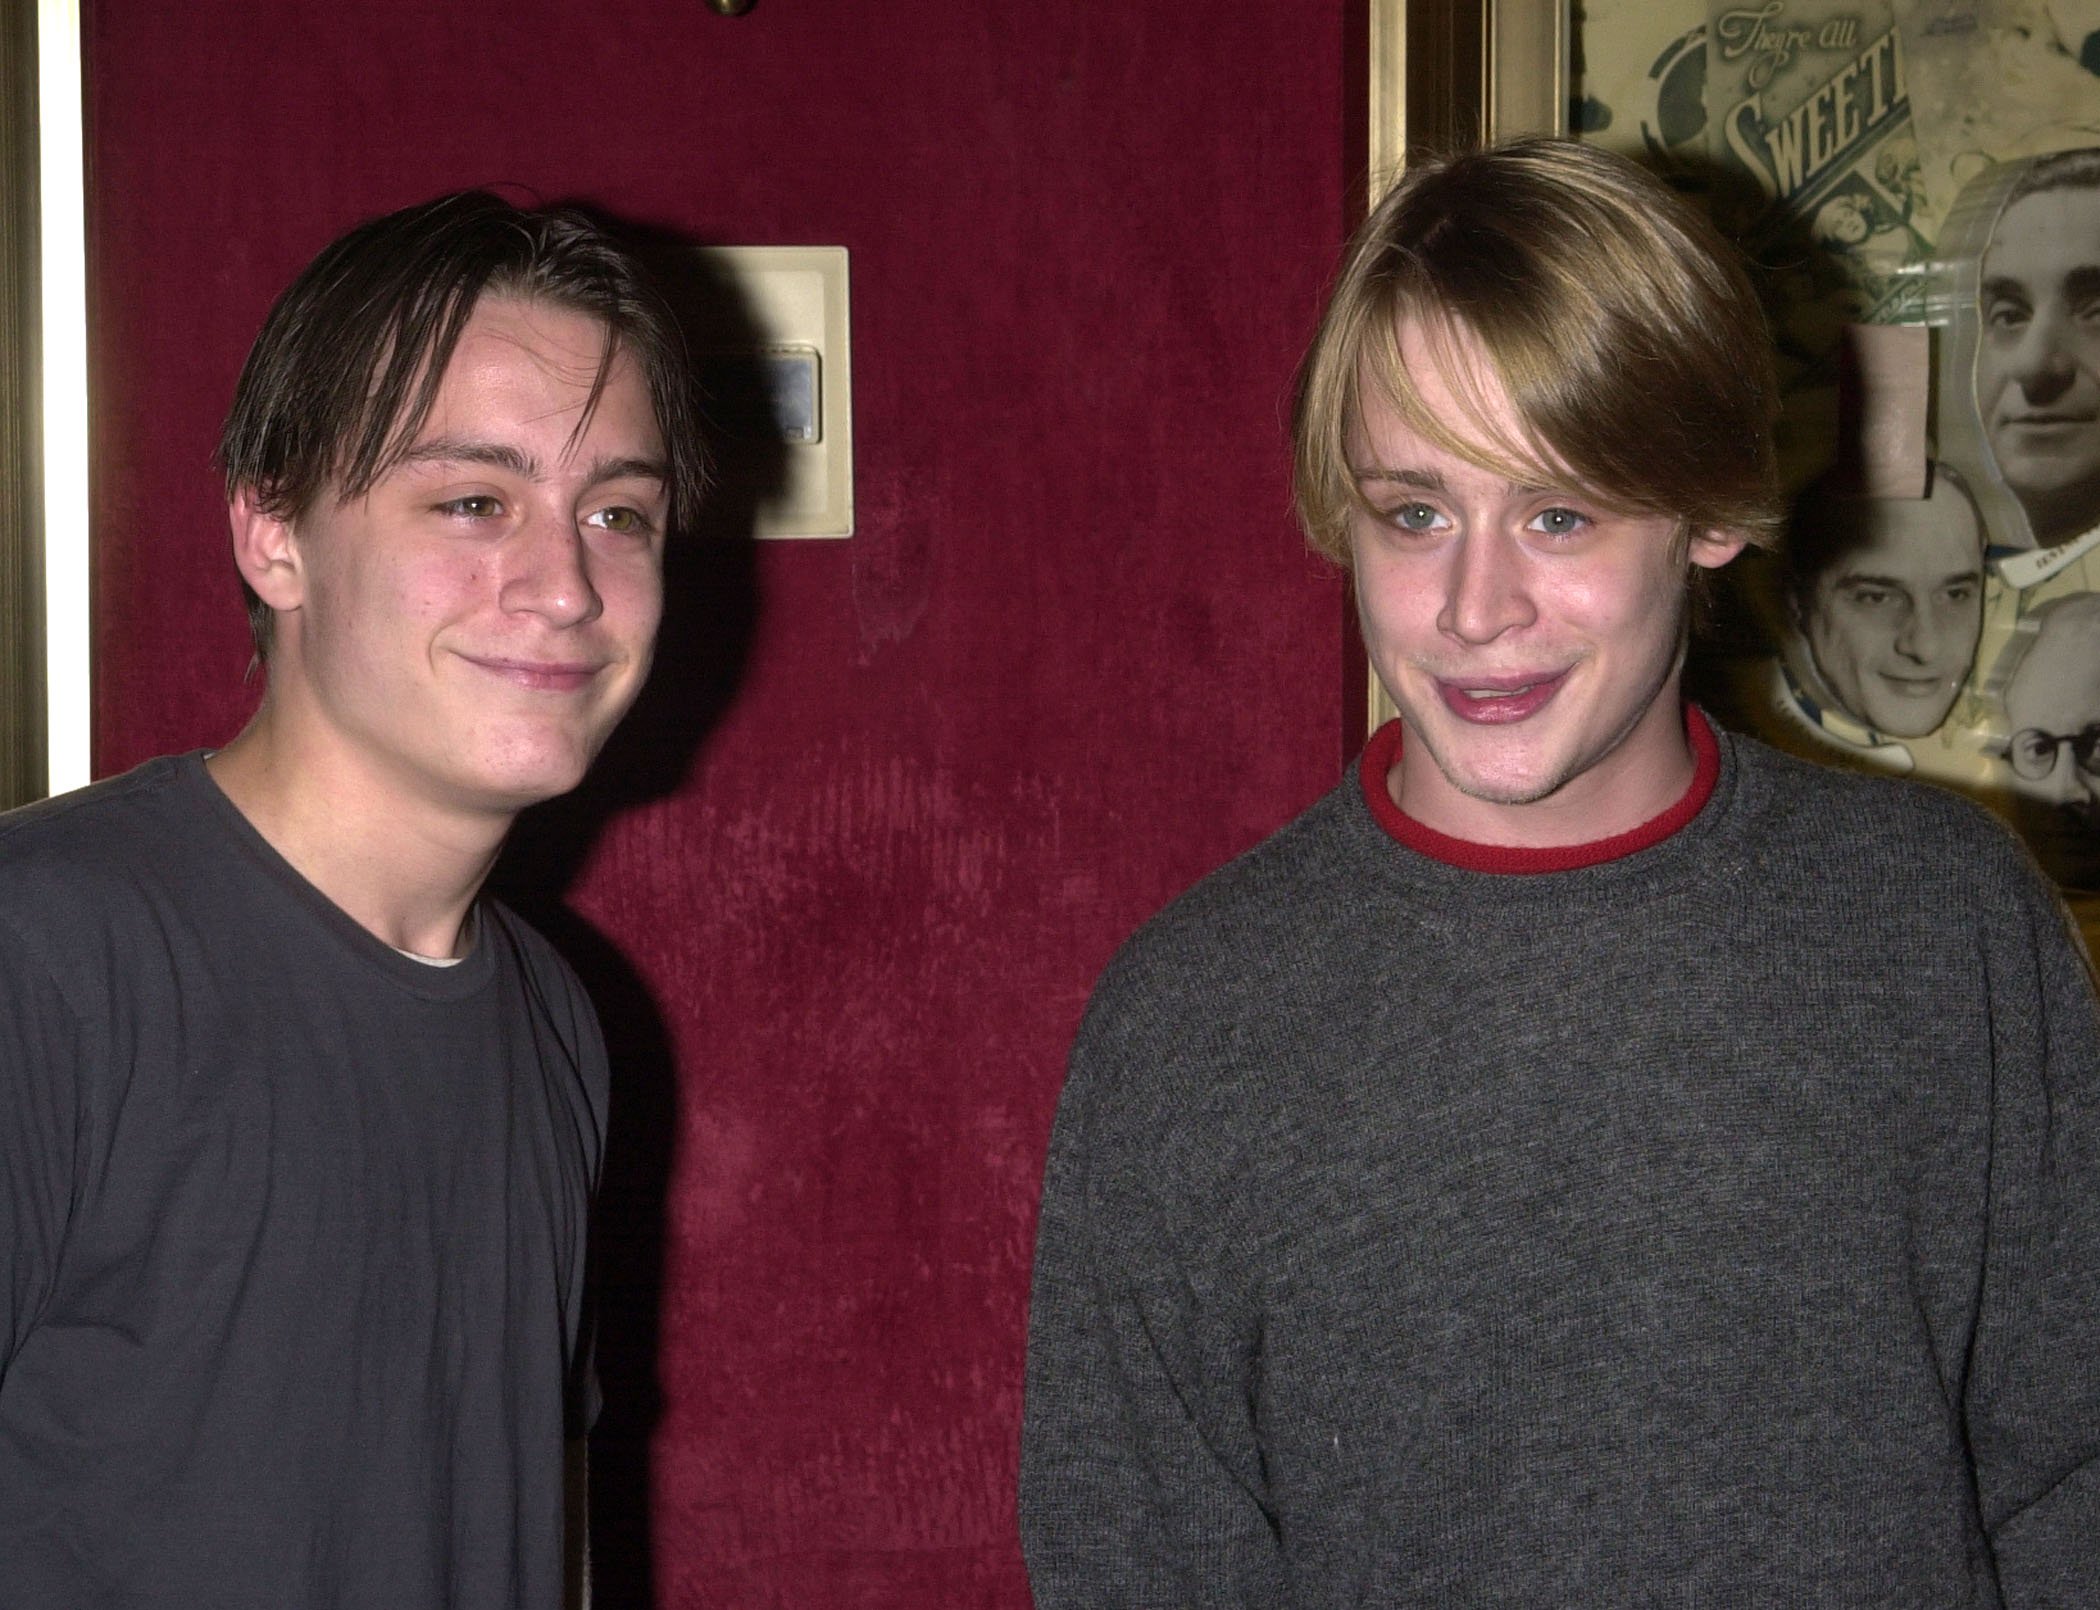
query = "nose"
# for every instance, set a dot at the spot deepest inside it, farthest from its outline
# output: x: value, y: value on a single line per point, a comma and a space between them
x: 2040, y: 361
x: 2063, y: 785
x: 1486, y: 589
x: 1919, y: 636
x: 549, y: 574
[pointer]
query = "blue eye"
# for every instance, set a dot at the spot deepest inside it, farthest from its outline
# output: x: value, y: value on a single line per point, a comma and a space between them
x: 1414, y: 517
x: 1559, y: 522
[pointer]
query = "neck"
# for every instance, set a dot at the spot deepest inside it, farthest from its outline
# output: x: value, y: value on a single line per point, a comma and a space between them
x: 406, y: 871
x: 1381, y: 761
x: 1642, y: 774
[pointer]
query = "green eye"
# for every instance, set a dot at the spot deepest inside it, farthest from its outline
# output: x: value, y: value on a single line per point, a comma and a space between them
x: 1414, y: 517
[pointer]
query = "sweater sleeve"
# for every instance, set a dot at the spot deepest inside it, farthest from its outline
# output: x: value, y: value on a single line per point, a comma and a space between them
x: 2033, y: 1388
x: 38, y: 1123
x: 1140, y: 1474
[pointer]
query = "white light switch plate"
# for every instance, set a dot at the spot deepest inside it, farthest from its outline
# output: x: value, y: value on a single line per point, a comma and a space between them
x: 796, y: 298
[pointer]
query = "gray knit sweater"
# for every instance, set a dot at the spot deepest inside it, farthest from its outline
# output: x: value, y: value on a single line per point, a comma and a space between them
x: 1719, y: 1225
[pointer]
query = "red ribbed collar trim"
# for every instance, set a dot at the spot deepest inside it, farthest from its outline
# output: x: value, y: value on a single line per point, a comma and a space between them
x: 1384, y: 749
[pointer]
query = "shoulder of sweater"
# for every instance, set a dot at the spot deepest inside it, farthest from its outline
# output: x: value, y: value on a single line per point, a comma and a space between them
x: 1279, y: 885
x: 1179, y: 1007
x: 1820, y: 809
x: 1194, y: 962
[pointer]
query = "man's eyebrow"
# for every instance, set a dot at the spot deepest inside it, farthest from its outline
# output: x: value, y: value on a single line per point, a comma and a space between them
x: 503, y: 456
x: 1421, y: 480
x: 629, y: 469
x: 1867, y: 578
x: 1998, y: 285
x: 1432, y: 481
x: 2083, y: 282
x: 461, y: 450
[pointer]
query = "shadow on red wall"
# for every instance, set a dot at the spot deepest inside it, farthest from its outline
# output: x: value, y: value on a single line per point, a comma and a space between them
x: 711, y: 578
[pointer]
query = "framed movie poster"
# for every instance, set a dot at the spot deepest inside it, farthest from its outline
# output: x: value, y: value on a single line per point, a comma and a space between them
x: 1918, y: 178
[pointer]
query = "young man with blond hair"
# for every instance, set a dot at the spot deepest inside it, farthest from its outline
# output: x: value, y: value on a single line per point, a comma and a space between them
x: 1588, y: 1158
x: 298, y: 1131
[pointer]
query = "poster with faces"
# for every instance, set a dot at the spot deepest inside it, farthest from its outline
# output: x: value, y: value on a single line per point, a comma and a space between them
x: 2016, y: 300
x: 1900, y: 162
x: 1956, y: 636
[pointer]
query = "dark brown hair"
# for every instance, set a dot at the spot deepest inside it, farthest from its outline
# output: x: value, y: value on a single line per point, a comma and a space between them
x: 350, y: 359
x: 1829, y: 522
x: 2060, y: 170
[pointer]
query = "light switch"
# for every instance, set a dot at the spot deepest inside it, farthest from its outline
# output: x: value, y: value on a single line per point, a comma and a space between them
x: 778, y: 375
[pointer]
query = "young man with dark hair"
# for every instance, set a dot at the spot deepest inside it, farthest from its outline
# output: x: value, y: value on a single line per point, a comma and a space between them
x: 297, y: 1132
x: 1884, y: 598
x: 1588, y: 1158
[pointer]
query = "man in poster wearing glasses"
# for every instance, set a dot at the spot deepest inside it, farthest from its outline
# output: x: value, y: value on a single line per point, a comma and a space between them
x: 2052, y: 708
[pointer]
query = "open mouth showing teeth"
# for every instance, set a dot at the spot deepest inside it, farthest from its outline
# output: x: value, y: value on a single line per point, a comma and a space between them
x: 1500, y: 705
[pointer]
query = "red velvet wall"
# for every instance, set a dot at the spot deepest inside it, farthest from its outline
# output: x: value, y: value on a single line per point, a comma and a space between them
x: 843, y: 889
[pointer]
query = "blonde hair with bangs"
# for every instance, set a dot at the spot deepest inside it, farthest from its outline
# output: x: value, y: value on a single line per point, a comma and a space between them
x: 1623, y: 329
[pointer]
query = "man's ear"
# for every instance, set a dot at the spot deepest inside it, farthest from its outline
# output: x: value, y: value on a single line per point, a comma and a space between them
x: 265, y: 551
x: 1710, y: 550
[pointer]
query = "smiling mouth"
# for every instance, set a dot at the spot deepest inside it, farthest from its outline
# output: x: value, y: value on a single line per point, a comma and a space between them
x: 2046, y: 421
x: 1498, y: 701
x: 551, y: 676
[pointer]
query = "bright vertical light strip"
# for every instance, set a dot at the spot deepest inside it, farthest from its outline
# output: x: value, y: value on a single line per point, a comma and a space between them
x: 65, y: 400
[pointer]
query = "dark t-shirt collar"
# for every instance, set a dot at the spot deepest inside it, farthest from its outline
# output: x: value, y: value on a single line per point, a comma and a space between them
x: 1383, y: 751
